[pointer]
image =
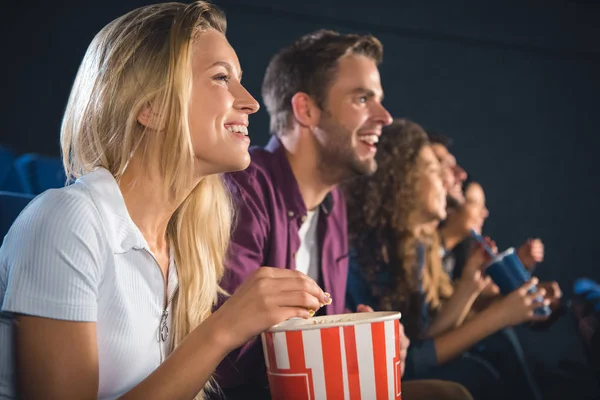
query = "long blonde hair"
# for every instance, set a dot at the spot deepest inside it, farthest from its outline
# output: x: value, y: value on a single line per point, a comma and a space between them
x: 436, y: 283
x: 144, y: 58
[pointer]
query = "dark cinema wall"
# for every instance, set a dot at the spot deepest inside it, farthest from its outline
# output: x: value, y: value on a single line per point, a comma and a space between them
x: 515, y: 84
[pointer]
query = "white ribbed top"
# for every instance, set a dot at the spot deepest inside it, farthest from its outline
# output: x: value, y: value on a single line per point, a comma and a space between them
x: 75, y: 254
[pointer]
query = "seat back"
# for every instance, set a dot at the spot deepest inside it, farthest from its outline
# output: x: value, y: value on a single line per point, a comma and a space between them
x: 7, y: 159
x: 39, y: 173
x: 11, y: 205
x: 585, y: 307
x: 9, y: 180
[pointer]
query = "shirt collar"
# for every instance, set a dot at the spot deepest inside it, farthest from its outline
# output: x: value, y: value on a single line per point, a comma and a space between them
x: 286, y: 180
x: 123, y: 234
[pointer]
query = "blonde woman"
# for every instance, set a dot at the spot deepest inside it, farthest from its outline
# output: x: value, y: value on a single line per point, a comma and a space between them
x: 107, y: 285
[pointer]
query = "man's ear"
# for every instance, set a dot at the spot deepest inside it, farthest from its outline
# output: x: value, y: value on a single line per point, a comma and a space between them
x: 306, y: 112
x: 149, y: 118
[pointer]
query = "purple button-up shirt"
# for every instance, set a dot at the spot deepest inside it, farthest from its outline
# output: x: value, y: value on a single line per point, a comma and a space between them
x: 270, y: 211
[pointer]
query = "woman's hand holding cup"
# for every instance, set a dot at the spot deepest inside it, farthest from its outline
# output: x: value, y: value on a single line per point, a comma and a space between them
x: 519, y: 306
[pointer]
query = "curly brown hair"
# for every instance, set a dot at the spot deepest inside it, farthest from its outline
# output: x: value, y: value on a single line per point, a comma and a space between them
x: 380, y: 231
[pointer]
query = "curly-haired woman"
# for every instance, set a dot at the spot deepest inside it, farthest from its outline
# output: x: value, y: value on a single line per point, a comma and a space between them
x: 396, y: 265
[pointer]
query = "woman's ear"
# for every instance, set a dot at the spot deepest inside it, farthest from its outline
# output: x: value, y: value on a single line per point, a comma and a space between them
x: 150, y: 118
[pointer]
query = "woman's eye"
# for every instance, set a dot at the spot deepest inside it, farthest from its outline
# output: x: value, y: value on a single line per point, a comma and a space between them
x: 224, y: 78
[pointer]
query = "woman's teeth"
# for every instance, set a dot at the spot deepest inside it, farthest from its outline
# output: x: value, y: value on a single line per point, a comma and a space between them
x: 238, y: 129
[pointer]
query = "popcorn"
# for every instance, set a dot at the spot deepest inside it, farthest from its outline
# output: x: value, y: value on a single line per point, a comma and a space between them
x: 332, y: 321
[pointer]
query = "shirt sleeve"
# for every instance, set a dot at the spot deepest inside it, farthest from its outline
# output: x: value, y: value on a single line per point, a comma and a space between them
x: 420, y: 357
x: 51, y: 260
x: 249, y: 237
x: 358, y: 290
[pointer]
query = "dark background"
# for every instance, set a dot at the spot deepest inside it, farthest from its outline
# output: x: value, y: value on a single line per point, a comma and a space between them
x: 515, y: 83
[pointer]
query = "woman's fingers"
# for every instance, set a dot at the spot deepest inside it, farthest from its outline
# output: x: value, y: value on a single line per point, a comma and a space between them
x: 527, y: 286
x: 298, y: 299
x: 291, y: 280
x: 364, y: 308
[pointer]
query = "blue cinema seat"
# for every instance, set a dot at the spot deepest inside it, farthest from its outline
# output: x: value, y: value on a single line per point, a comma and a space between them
x: 39, y: 173
x: 11, y: 205
x: 7, y: 159
x: 9, y: 181
x: 585, y: 306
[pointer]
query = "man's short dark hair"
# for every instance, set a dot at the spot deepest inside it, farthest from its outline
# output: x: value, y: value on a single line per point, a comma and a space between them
x: 309, y: 65
x: 440, y: 138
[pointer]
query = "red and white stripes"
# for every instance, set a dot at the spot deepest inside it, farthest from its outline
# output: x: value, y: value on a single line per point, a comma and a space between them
x: 358, y: 362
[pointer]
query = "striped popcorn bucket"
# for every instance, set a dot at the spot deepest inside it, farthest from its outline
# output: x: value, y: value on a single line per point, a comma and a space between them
x: 335, y: 357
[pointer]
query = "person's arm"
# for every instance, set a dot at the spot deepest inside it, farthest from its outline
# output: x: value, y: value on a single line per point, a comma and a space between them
x: 487, y: 297
x: 456, y: 341
x: 268, y: 297
x: 453, y: 313
x: 43, y: 372
x: 53, y: 294
x: 515, y: 308
x: 48, y: 369
x: 469, y: 286
x: 54, y: 256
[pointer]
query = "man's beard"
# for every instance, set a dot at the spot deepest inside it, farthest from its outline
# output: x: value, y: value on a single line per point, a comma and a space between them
x: 452, y: 202
x: 337, y: 158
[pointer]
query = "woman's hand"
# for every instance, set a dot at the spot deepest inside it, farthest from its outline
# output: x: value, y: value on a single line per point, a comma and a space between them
x: 518, y: 306
x: 268, y: 297
x: 553, y: 293
x: 364, y: 308
x: 531, y: 253
x: 472, y: 277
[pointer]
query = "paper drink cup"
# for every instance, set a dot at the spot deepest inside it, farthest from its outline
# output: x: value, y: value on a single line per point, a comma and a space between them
x: 509, y: 274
